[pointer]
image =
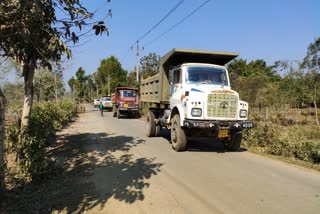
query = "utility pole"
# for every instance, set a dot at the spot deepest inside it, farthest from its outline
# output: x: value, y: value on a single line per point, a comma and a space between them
x: 108, y: 79
x: 137, y: 65
x: 97, y: 89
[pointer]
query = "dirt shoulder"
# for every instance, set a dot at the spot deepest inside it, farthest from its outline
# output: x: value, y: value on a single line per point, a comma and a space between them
x: 99, y: 174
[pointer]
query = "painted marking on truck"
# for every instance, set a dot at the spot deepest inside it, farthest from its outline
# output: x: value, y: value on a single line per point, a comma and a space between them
x: 196, y: 90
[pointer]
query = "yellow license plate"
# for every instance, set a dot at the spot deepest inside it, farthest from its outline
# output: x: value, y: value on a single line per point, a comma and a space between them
x: 126, y: 105
x: 223, y: 133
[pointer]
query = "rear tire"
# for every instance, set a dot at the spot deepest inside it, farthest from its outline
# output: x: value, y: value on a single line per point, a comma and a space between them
x: 234, y: 143
x: 178, y: 136
x: 150, y: 125
x: 114, y: 110
x: 157, y: 130
x: 118, y: 113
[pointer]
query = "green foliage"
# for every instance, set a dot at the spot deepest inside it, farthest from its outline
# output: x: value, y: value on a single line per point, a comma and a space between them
x: 33, y: 31
x: 14, y: 94
x: 312, y: 60
x: 110, y: 68
x: 132, y: 80
x: 29, y: 145
x: 48, y: 85
x: 280, y: 138
x: 150, y: 65
x: 83, y: 87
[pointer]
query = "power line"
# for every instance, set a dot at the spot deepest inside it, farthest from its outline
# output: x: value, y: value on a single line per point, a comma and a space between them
x: 158, y: 23
x: 181, y: 21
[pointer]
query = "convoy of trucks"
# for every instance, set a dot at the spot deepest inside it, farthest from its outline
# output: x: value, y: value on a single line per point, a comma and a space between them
x: 191, y: 96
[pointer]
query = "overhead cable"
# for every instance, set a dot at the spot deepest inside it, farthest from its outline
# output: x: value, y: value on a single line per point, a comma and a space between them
x: 181, y: 21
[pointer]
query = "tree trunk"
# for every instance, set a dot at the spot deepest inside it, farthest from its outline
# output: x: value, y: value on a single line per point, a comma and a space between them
x: 317, y: 118
x: 55, y: 88
x: 28, y: 73
x: 2, y: 111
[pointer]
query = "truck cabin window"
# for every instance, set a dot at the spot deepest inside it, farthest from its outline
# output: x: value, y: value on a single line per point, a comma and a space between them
x: 176, y: 77
x: 127, y: 93
x: 206, y: 75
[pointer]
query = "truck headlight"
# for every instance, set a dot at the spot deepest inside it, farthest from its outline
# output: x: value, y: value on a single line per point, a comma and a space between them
x: 196, y: 112
x: 243, y: 113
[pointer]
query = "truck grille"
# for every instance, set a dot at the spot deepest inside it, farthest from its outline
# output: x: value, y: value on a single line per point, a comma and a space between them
x: 129, y: 103
x: 223, y: 105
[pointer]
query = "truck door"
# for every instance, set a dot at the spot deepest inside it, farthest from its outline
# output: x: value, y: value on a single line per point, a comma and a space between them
x: 175, y: 87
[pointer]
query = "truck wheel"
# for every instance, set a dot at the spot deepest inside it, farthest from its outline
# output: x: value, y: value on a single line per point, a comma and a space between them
x: 178, y: 136
x: 118, y: 114
x: 233, y: 144
x: 114, y: 110
x: 150, y: 125
x: 157, y: 131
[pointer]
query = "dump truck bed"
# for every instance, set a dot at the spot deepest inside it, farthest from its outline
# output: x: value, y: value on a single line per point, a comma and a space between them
x: 156, y: 89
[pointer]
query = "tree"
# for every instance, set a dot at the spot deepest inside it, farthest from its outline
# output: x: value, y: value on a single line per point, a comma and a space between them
x: 312, y: 63
x: 80, y: 84
x: 150, y: 65
x: 48, y: 85
x: 14, y: 94
x: 312, y: 59
x: 2, y: 111
x: 110, y: 69
x: 132, y: 79
x: 33, y: 33
x: 72, y: 83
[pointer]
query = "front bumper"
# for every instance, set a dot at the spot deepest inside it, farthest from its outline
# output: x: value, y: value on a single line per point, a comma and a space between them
x: 215, y: 125
x: 128, y: 109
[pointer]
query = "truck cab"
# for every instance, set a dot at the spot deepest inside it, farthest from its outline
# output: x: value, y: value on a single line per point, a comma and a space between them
x: 202, y: 92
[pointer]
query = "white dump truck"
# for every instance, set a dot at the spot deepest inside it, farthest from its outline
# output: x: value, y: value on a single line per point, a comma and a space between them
x: 191, y: 96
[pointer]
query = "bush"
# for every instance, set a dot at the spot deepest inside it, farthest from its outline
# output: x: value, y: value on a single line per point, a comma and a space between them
x: 296, y: 142
x: 29, y: 145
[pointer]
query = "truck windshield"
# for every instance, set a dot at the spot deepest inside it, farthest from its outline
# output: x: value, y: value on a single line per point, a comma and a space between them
x: 127, y: 93
x: 206, y: 75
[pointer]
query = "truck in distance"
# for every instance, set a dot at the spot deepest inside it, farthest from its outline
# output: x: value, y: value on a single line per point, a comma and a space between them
x: 191, y: 96
x: 125, y: 102
x: 107, y: 103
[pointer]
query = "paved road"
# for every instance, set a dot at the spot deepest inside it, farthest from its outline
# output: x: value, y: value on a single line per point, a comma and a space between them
x: 205, y: 179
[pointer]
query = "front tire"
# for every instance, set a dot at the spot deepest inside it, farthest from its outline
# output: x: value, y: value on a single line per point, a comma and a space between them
x: 178, y: 136
x: 233, y: 144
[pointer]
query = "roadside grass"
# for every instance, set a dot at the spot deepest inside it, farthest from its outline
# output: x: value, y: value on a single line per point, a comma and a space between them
x: 291, y: 135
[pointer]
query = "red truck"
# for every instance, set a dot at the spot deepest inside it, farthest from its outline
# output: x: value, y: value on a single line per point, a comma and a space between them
x: 125, y: 102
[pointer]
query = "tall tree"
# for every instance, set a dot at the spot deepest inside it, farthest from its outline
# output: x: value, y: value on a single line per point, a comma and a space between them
x: 150, y: 65
x: 110, y: 69
x: 72, y: 84
x: 80, y: 83
x: 32, y: 33
x: 48, y: 85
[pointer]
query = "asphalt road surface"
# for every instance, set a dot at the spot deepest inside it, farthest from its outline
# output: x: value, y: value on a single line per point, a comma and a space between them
x: 148, y: 176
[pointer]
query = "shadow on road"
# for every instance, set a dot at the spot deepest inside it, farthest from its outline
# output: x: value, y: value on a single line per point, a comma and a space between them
x: 202, y: 145
x: 96, y: 167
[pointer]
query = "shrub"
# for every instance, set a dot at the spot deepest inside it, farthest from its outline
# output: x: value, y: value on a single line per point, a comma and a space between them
x: 29, y: 145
